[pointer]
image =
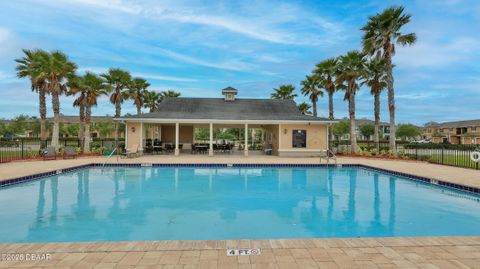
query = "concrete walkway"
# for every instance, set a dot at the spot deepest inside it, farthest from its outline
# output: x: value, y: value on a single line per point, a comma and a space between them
x: 464, y: 176
x: 370, y: 253
x: 416, y: 252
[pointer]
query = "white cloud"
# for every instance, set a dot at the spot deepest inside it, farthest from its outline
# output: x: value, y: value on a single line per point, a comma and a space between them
x: 233, y: 64
x: 435, y: 53
x: 154, y: 76
x: 266, y: 24
x: 162, y: 77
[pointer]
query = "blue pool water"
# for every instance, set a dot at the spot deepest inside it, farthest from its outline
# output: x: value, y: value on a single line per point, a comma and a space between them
x: 148, y: 203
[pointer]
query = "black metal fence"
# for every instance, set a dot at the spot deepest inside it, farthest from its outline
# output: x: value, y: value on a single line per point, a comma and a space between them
x: 367, y: 145
x: 446, y: 154
x: 30, y: 148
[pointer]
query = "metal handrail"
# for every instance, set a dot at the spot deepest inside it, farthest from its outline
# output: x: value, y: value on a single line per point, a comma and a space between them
x: 109, y: 156
x: 328, y: 154
x: 333, y: 155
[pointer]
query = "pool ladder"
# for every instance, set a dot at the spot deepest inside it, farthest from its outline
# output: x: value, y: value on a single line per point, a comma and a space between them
x: 329, y: 155
x: 109, y: 156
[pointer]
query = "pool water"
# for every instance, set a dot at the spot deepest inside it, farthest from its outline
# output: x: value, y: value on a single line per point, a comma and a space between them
x: 155, y: 203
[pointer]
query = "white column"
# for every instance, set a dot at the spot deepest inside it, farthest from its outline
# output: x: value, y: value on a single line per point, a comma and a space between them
x: 328, y: 132
x: 126, y: 136
x: 142, y: 136
x: 177, y: 135
x: 246, y: 140
x: 210, y: 150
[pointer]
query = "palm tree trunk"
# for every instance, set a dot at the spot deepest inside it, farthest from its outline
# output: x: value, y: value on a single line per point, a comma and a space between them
x: 42, y: 100
x: 330, y: 114
x: 351, y: 108
x: 314, y: 107
x: 377, y: 120
x: 81, y: 132
x: 139, y: 110
x: 391, y: 96
x: 56, y: 120
x: 88, y: 112
x: 118, y: 111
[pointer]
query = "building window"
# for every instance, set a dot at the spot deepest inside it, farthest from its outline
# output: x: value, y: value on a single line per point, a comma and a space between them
x: 474, y: 129
x: 299, y: 138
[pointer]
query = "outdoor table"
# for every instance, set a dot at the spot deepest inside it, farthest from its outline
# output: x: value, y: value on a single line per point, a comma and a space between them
x: 202, y: 148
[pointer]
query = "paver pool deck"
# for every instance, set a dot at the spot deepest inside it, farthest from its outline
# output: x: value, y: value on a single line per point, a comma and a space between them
x: 400, y: 252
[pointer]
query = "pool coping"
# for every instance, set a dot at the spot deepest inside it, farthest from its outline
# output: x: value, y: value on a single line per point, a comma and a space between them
x: 278, y: 243
x: 428, y: 180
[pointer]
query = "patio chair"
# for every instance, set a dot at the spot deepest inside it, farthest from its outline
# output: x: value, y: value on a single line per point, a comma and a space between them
x: 268, y: 150
x: 132, y: 152
x: 148, y: 146
x: 69, y: 153
x: 157, y: 146
x: 195, y: 148
x: 229, y: 148
x: 169, y: 147
x: 49, y: 154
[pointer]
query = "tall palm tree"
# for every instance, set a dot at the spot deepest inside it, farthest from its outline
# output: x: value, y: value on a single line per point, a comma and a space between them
x: 76, y: 88
x: 118, y: 79
x: 284, y: 92
x: 381, y: 33
x: 94, y: 86
x: 151, y: 101
x: 310, y: 88
x: 137, y: 90
x: 351, y: 68
x: 166, y: 94
x: 326, y: 70
x: 304, y: 108
x: 56, y: 68
x: 30, y: 66
x: 376, y: 79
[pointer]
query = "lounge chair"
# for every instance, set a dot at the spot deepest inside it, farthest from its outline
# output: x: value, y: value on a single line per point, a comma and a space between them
x: 69, y: 153
x: 268, y: 150
x: 132, y: 152
x: 49, y: 154
x: 327, y: 154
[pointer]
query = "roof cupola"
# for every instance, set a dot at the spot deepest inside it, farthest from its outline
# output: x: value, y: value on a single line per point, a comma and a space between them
x: 229, y: 94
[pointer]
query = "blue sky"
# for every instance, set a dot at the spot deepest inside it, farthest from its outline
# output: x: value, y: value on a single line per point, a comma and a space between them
x: 200, y: 47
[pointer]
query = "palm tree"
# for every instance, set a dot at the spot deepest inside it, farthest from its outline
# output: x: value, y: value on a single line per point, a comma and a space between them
x: 137, y: 90
x: 151, y: 100
x: 75, y: 85
x: 326, y: 70
x: 351, y: 67
x: 304, y: 108
x: 381, y: 33
x: 284, y: 92
x: 376, y: 79
x: 94, y: 86
x: 118, y: 79
x: 310, y: 88
x: 166, y: 94
x: 55, y: 69
x: 30, y: 66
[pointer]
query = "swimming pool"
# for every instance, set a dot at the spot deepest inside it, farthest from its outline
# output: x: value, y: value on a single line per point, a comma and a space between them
x: 157, y: 203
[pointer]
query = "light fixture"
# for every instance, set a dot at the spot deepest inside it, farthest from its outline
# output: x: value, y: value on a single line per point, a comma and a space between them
x: 133, y: 129
x: 285, y: 131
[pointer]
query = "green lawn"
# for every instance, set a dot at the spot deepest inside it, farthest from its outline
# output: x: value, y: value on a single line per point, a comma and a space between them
x: 461, y: 161
x: 18, y: 154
